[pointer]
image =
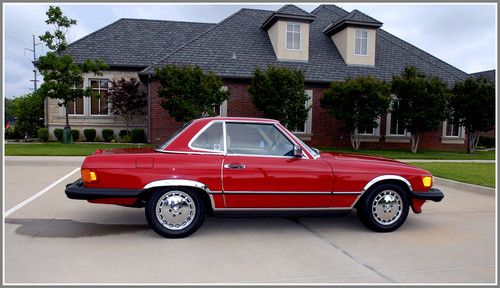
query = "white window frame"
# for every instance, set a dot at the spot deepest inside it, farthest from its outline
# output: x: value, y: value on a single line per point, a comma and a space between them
x: 376, y: 131
x: 293, y: 32
x: 361, y: 39
x: 448, y: 139
x: 461, y: 131
x: 90, y: 98
x: 308, y: 122
x: 74, y: 104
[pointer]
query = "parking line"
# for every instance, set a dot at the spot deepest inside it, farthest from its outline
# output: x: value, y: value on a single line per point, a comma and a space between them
x: 22, y: 204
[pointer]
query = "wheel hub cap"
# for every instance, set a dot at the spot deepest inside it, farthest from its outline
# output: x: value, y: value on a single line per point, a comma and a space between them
x: 175, y: 210
x: 387, y: 207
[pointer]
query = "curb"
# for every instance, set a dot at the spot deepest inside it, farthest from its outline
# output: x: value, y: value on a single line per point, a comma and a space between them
x: 465, y: 186
x: 44, y: 158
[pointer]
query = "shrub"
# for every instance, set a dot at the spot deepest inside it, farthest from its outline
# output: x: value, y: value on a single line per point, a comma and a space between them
x: 75, y: 134
x: 138, y: 135
x: 43, y: 134
x: 126, y: 139
x: 58, y: 132
x: 12, y: 133
x: 123, y: 132
x: 486, y: 141
x: 89, y: 135
x: 108, y: 134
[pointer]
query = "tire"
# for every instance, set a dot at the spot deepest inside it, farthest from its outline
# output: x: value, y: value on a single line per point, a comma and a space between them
x: 381, y: 216
x: 175, y: 212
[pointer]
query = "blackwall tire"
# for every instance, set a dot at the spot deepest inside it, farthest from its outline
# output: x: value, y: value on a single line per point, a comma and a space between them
x: 385, y: 208
x: 175, y: 212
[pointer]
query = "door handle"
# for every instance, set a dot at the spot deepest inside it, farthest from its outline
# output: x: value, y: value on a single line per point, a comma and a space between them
x: 234, y: 166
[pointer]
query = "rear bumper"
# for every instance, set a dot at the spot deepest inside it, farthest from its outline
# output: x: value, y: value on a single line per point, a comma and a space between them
x: 433, y: 194
x: 76, y: 190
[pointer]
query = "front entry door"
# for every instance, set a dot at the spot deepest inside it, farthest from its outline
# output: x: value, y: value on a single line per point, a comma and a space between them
x: 260, y: 171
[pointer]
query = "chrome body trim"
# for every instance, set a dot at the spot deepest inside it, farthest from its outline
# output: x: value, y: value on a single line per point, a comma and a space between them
x: 177, y: 182
x: 387, y: 177
x: 284, y: 209
x: 277, y: 192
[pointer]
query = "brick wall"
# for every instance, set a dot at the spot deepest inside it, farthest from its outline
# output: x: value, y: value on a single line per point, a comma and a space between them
x: 325, y: 130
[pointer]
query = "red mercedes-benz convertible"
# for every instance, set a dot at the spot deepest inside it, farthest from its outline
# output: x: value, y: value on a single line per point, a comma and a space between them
x: 248, y: 164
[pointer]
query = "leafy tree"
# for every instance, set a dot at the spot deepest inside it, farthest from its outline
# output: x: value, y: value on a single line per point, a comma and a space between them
x: 188, y: 93
x: 127, y: 100
x: 279, y: 93
x: 473, y: 105
x: 357, y: 103
x: 9, y: 108
x: 61, y: 75
x: 28, y: 110
x: 422, y: 102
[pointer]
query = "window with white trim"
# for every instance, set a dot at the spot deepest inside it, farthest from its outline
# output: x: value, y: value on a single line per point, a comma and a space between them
x: 293, y: 36
x: 221, y: 110
x: 370, y: 131
x: 76, y: 107
x: 361, y: 42
x: 452, y: 129
x: 394, y: 126
x: 99, y: 105
x: 306, y: 127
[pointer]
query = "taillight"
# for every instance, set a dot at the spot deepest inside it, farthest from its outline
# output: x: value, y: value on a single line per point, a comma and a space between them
x: 89, y: 175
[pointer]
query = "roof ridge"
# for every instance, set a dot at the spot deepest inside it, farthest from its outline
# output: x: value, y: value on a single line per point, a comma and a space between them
x: 291, y: 5
x: 327, y: 8
x: 164, y: 20
x: 423, y: 58
x: 93, y: 33
x: 191, y: 41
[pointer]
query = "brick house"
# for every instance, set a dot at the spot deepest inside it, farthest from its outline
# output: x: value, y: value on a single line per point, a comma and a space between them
x: 328, y: 44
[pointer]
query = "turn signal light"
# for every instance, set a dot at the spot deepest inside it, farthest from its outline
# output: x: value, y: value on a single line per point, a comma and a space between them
x: 89, y: 176
x: 427, y: 181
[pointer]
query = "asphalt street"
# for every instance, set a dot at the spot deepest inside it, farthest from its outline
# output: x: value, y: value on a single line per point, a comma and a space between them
x: 52, y: 239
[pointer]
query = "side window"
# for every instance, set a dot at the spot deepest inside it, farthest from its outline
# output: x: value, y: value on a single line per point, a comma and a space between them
x: 210, y: 139
x: 256, y: 139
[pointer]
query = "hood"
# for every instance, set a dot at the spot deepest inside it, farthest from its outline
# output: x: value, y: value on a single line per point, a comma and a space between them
x: 360, y: 157
x: 371, y: 162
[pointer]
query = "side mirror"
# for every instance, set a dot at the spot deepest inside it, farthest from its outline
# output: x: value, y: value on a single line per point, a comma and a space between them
x: 297, y: 151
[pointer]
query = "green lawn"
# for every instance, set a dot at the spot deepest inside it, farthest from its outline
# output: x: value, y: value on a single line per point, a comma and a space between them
x: 406, y: 154
x: 475, y: 173
x: 60, y: 149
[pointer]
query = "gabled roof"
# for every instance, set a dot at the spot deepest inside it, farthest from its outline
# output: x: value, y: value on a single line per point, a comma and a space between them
x: 236, y: 46
x: 287, y: 12
x: 135, y: 42
x: 355, y: 18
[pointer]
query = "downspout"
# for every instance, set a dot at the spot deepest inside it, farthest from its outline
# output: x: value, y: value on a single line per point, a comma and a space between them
x: 149, y: 108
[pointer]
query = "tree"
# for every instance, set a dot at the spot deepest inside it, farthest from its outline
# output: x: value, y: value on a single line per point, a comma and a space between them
x: 61, y: 75
x: 126, y: 99
x: 279, y: 93
x: 188, y: 93
x: 9, y: 108
x: 357, y: 103
x: 422, y: 102
x: 473, y: 105
x: 28, y: 110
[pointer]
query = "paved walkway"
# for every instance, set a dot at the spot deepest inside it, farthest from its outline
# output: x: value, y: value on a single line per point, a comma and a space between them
x: 447, y: 161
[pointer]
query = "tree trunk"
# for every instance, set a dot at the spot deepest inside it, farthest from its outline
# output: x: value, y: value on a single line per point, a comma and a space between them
x: 355, y: 140
x: 415, y: 138
x: 473, y: 140
x: 66, y: 112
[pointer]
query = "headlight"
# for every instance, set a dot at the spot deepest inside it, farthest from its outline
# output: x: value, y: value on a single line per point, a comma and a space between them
x: 427, y: 181
x: 89, y: 175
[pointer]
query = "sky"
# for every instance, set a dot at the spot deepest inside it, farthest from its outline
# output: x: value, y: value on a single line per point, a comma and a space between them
x: 463, y: 35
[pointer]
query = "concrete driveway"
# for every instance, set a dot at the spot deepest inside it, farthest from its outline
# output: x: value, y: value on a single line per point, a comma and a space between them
x: 52, y: 239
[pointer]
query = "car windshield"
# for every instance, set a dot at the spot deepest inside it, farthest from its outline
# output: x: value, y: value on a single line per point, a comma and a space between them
x: 172, y: 137
x: 309, y: 149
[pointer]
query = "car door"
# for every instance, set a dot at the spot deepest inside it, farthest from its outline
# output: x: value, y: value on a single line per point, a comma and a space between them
x: 260, y: 171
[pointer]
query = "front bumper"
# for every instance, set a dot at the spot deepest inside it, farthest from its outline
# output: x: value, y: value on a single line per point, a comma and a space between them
x: 76, y: 190
x: 433, y: 194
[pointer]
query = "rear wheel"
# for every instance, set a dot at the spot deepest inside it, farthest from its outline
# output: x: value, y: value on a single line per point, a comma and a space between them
x: 175, y: 213
x: 385, y: 208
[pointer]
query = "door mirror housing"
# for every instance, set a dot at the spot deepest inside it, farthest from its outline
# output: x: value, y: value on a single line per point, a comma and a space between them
x: 297, y: 151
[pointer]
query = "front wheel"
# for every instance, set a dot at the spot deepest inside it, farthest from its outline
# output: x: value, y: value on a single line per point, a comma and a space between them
x: 175, y: 213
x: 385, y: 208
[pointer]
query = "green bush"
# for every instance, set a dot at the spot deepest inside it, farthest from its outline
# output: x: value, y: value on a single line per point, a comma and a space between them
x: 58, y: 132
x: 43, y: 134
x: 138, y: 135
x: 126, y: 139
x: 12, y: 133
x: 123, y: 132
x: 486, y: 141
x: 108, y: 135
x: 89, y: 135
x: 75, y: 134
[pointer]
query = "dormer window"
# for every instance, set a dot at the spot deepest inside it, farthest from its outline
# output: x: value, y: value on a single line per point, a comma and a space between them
x: 293, y: 36
x: 361, y: 42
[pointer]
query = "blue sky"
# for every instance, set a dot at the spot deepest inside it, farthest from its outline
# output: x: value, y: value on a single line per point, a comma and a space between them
x: 463, y: 35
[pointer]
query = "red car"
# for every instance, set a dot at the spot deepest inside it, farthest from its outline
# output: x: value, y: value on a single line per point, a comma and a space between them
x: 248, y: 164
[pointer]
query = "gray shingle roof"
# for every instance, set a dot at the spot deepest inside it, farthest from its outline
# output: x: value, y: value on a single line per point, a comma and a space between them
x: 287, y: 12
x: 353, y: 18
x: 236, y: 46
x: 135, y: 42
x: 489, y: 74
x: 292, y: 10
